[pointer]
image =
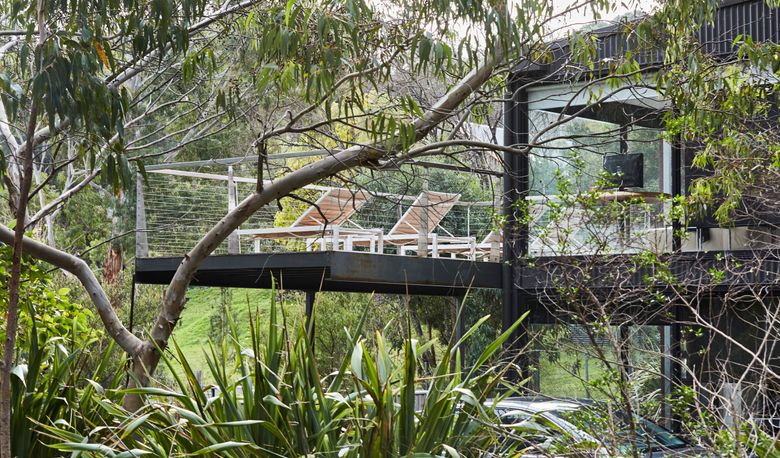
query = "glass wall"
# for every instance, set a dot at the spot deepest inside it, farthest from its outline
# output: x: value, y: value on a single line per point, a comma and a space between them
x: 572, y: 131
x: 576, y: 361
x: 573, y: 148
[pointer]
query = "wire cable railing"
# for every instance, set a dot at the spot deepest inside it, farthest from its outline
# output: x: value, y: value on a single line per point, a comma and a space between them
x: 177, y: 206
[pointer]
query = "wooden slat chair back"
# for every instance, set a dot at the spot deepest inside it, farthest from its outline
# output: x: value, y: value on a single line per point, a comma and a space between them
x: 494, y: 237
x: 436, y: 204
x: 332, y: 208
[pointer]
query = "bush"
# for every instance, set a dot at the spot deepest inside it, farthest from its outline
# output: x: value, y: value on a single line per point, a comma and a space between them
x: 51, y: 382
x: 269, y: 399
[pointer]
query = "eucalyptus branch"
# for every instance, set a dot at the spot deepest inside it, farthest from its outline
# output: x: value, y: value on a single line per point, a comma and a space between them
x: 63, y: 197
x: 174, y: 298
x: 78, y: 267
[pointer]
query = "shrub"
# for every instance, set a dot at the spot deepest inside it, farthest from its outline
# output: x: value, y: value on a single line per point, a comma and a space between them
x: 269, y: 399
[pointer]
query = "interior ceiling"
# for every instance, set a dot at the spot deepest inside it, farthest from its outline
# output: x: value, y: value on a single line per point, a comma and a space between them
x: 617, y: 113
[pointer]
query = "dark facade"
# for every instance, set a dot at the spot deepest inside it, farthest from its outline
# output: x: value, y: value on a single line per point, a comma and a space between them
x: 732, y: 268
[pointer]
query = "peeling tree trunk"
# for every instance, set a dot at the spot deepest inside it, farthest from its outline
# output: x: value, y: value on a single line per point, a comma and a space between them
x: 144, y: 353
x: 12, y: 321
x: 112, y: 266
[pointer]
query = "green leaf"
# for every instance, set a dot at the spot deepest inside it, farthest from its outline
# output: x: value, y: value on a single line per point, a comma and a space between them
x: 135, y: 424
x: 357, y: 360
x: 450, y: 451
x: 275, y: 401
x: 152, y: 391
x: 287, y: 10
x: 80, y: 447
x: 20, y: 372
x: 221, y: 447
x: 133, y: 453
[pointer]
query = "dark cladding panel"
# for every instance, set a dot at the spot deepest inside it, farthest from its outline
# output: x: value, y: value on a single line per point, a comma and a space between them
x: 734, y: 18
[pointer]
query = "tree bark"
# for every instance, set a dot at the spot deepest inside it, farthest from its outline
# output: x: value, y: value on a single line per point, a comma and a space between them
x: 144, y: 353
x: 12, y: 322
x: 79, y: 268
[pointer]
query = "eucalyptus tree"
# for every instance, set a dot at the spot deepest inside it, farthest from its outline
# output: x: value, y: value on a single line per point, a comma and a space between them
x: 85, y: 72
x: 68, y: 72
x: 103, y: 76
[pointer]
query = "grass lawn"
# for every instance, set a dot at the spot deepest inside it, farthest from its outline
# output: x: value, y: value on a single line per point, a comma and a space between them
x: 566, y: 376
x: 204, y: 310
x: 194, y: 329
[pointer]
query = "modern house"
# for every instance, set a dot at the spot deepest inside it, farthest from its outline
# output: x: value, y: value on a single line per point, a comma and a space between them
x: 555, y: 246
x: 583, y: 264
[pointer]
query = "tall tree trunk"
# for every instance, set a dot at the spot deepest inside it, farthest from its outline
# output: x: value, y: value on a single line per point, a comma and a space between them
x: 12, y: 322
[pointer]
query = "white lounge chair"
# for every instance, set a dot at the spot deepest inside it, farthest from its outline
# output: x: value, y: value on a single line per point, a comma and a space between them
x: 489, y: 247
x: 322, y: 222
x: 430, y: 205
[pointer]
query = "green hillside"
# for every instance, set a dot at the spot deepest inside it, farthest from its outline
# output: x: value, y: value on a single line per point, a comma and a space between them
x: 204, y: 316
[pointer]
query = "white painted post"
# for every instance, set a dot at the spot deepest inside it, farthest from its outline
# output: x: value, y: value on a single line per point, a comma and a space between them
x: 335, y: 238
x: 473, y: 248
x: 434, y: 246
x: 233, y: 241
x: 468, y: 221
x: 380, y: 242
x: 348, y: 243
x: 495, y: 244
x: 257, y: 245
x: 423, y: 230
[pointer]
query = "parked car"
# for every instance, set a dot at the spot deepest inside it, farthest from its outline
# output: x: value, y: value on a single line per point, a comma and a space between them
x: 549, y: 427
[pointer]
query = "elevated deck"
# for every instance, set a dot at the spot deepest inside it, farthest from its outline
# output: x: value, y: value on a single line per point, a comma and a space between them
x: 332, y: 271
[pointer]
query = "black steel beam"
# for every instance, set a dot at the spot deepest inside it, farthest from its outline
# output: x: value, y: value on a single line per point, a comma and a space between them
x: 740, y: 267
x: 516, y: 187
x: 332, y: 271
x: 311, y: 323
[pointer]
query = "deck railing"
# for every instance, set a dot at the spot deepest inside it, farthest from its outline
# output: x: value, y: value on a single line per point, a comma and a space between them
x: 175, y: 207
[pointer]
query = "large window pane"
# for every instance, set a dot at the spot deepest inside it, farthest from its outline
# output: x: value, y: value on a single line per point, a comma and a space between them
x: 574, y: 150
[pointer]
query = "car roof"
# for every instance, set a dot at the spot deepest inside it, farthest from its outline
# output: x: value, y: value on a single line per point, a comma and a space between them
x: 536, y: 404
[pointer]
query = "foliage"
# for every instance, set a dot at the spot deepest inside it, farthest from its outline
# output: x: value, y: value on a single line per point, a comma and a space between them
x: 72, y: 66
x: 84, y: 225
x: 337, y: 312
x: 54, y: 386
x: 60, y: 366
x: 42, y: 307
x: 728, y: 112
x: 270, y: 399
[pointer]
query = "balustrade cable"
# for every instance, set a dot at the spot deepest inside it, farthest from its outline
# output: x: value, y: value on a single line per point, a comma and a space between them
x: 182, y: 204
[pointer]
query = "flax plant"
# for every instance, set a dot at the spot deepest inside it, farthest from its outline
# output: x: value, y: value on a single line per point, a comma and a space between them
x: 271, y: 401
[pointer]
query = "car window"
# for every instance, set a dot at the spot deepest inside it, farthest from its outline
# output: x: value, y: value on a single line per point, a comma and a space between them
x: 614, y: 429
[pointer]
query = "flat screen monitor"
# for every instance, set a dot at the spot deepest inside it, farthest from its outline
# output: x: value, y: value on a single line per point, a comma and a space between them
x: 625, y: 170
